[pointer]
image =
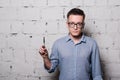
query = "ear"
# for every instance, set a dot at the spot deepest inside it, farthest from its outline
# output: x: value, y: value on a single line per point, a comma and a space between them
x: 66, y: 24
x: 83, y: 25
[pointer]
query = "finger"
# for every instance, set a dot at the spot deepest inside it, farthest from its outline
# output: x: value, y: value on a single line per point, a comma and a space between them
x: 44, y: 49
x: 41, y: 51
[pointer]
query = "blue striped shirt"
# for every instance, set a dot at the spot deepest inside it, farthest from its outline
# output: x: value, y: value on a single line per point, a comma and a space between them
x: 79, y: 61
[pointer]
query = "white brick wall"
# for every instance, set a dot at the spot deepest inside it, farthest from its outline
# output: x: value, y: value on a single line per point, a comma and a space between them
x: 23, y: 23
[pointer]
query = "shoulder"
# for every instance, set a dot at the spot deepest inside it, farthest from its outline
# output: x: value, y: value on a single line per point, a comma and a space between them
x: 90, y: 40
x: 60, y: 41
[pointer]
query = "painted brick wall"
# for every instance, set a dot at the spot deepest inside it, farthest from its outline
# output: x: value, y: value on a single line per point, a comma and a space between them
x: 23, y: 23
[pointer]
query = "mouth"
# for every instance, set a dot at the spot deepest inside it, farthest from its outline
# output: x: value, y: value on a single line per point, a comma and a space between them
x: 75, y: 31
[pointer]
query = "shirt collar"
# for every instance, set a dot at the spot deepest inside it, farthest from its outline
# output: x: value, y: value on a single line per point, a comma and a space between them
x: 83, y: 38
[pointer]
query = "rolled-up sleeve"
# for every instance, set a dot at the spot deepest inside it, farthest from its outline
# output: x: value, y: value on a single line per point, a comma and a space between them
x: 54, y: 58
x: 96, y: 66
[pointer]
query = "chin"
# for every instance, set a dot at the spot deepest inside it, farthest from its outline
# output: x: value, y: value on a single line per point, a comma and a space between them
x: 75, y: 35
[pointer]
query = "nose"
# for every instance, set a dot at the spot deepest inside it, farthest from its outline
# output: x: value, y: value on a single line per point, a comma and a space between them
x: 75, y: 27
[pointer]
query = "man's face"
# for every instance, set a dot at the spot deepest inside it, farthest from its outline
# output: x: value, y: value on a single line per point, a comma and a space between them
x: 75, y: 25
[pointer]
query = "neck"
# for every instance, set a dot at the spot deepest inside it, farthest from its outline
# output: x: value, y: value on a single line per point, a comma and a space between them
x: 76, y: 39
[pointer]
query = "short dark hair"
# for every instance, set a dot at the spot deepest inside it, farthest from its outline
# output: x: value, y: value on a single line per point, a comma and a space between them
x: 76, y: 11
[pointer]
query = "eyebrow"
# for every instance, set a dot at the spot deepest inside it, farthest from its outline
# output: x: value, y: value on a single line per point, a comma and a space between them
x: 76, y: 23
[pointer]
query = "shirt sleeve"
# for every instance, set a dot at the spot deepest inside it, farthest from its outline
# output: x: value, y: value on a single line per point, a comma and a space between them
x: 53, y: 58
x: 96, y: 66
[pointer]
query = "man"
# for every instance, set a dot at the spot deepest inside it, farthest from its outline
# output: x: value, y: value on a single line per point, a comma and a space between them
x: 76, y: 55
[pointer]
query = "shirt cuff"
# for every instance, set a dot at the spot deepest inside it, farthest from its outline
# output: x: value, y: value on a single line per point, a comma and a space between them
x: 51, y: 69
x: 98, y: 78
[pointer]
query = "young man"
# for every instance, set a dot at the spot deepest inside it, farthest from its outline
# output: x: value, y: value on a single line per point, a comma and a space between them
x: 76, y: 55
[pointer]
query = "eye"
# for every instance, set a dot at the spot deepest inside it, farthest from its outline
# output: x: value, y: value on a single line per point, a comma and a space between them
x: 79, y: 24
x: 72, y: 23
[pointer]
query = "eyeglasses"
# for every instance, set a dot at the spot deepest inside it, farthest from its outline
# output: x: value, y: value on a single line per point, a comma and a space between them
x: 78, y: 25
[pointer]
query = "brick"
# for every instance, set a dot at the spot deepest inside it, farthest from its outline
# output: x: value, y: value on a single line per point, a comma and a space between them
x: 77, y: 2
x: 113, y: 55
x: 64, y: 3
x: 115, y: 11
x: 33, y: 57
x: 112, y: 69
x: 1, y: 55
x: 104, y: 41
x: 65, y: 11
x: 112, y: 27
x: 89, y: 2
x: 116, y: 40
x: 19, y: 41
x: 99, y: 13
x: 36, y: 41
x: 62, y: 27
x: 49, y: 78
x: 26, y: 77
x: 101, y: 2
x: 4, y: 3
x: 7, y: 77
x: 115, y: 2
x: 4, y: 27
x: 53, y: 2
x: 28, y: 13
x: 52, y: 27
x: 119, y: 27
x: 12, y: 13
x: 115, y: 78
x: 19, y: 55
x: 5, y: 69
x: 21, y: 3
x: 52, y: 13
x: 3, y: 41
x: 95, y: 26
x: 16, y: 27
x: 20, y: 62
x: 27, y: 69
x: 33, y: 27
x: 39, y: 3
x: 104, y: 55
x: 11, y: 76
x: 29, y: 3
x: 7, y: 55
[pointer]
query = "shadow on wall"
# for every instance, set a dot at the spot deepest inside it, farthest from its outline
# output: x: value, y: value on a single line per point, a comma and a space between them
x: 104, y: 74
x: 56, y: 75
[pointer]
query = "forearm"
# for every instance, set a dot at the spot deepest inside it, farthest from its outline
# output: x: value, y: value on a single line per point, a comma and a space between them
x: 47, y: 63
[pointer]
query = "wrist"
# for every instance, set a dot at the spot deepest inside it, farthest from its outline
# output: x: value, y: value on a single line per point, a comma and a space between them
x: 45, y: 58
